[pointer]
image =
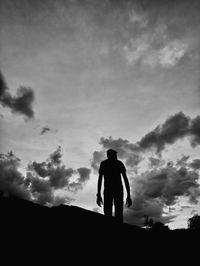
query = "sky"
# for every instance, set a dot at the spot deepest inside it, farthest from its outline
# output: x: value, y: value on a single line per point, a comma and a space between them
x: 79, y: 77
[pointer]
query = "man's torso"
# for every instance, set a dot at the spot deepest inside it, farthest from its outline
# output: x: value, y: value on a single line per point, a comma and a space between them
x: 112, y: 170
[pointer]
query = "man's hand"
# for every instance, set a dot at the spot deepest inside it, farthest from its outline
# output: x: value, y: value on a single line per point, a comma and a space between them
x: 128, y: 201
x: 99, y: 200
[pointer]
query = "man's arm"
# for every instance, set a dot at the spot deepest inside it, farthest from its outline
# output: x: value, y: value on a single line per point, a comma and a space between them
x: 128, y: 199
x: 99, y: 198
x: 99, y: 184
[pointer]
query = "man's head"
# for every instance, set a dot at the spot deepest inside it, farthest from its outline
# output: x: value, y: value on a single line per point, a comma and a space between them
x: 112, y: 154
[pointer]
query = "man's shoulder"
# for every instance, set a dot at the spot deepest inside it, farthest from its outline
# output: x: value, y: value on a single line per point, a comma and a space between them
x: 121, y: 165
x: 103, y: 166
x: 120, y: 162
x: 108, y: 162
x: 104, y: 162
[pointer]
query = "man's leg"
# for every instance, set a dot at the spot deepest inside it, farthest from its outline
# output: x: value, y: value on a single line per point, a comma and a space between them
x: 107, y: 204
x: 118, y: 202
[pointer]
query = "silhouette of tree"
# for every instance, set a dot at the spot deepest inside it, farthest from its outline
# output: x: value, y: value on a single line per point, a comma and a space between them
x: 158, y: 226
x: 150, y: 224
x: 146, y: 221
x: 194, y: 222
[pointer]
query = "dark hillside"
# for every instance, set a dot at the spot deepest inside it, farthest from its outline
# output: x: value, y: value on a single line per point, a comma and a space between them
x: 73, y: 230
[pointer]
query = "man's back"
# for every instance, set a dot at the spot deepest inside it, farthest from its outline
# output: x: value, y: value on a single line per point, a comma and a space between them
x: 112, y: 170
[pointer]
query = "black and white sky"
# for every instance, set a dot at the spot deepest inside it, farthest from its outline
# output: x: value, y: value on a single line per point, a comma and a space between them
x: 80, y: 76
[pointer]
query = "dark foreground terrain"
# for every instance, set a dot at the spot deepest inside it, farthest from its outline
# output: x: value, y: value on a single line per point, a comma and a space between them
x: 73, y: 233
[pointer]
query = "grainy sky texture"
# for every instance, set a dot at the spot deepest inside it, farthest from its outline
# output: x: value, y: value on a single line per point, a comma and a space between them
x: 78, y: 77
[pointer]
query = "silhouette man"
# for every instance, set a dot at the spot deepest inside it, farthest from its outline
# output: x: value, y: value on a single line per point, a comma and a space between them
x: 112, y: 169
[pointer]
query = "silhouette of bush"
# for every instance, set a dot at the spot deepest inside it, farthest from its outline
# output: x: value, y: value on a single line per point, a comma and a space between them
x: 151, y: 225
x: 194, y: 222
x: 158, y: 226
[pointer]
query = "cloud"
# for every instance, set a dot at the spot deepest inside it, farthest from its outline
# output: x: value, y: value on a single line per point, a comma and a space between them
x: 141, y: 51
x: 3, y: 86
x: 43, y: 193
x: 167, y: 184
x: 154, y: 46
x: 172, y: 53
x: 84, y: 175
x: 58, y: 175
x: 155, y: 162
x: 183, y: 161
x: 195, y: 131
x: 22, y: 103
x: 138, y: 17
x: 153, y: 190
x: 175, y: 127
x: 55, y: 157
x: 141, y: 208
x: 195, y: 164
x: 45, y: 130
x: 135, y: 49
x: 12, y: 182
x: 52, y: 175
x: 42, y: 181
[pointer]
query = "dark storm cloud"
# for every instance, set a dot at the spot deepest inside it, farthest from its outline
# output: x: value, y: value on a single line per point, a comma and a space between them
x: 153, y: 190
x: 42, y: 192
x: 40, y: 185
x: 55, y: 157
x: 42, y: 179
x: 84, y: 174
x: 40, y: 168
x: 45, y: 130
x: 58, y: 175
x: 195, y: 131
x: 12, y: 182
x: 22, y: 103
x: 141, y: 208
x: 32, y: 186
x: 195, y: 164
x: 168, y: 183
x: 174, y: 128
x: 3, y: 86
x: 51, y: 175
